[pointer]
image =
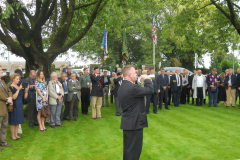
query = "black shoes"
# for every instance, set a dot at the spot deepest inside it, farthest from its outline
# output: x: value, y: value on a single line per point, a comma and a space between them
x: 47, y: 124
x: 36, y: 124
x: 168, y: 109
x: 155, y: 112
x: 234, y: 107
x: 227, y: 106
x: 14, y: 139
x: 159, y: 108
x: 31, y: 126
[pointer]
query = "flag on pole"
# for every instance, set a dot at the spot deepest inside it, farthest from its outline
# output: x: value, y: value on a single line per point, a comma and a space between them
x: 154, y: 33
x: 104, y: 46
x: 124, y: 47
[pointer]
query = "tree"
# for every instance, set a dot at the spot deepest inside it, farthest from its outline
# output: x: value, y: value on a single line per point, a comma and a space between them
x: 39, y: 31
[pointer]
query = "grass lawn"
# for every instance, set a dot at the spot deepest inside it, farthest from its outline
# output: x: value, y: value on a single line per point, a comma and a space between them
x: 183, y: 133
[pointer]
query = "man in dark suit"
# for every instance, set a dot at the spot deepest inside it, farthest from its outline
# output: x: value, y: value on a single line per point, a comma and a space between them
x: 163, y: 82
x: 65, y: 69
x: 190, y: 83
x: 117, y: 84
x: 116, y: 68
x: 65, y: 103
x: 96, y: 93
x: 169, y: 88
x: 176, y: 87
x: 153, y: 96
x: 238, y: 84
x: 134, y: 117
x: 69, y: 72
x: 32, y: 110
x: 106, y: 82
x: 188, y: 86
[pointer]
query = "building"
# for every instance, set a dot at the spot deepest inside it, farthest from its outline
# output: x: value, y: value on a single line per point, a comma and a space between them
x: 21, y: 65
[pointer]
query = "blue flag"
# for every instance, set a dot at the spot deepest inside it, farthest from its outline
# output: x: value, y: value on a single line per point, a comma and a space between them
x: 104, y: 46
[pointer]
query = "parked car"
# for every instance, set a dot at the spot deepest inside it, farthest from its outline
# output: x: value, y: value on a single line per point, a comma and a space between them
x: 180, y: 70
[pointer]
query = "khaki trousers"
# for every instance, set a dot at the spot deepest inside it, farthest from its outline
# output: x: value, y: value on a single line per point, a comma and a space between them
x: 3, y: 128
x: 231, y: 92
x: 99, y: 105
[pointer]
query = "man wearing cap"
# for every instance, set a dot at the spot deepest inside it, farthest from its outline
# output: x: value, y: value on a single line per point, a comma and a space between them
x: 96, y: 93
x: 118, y: 83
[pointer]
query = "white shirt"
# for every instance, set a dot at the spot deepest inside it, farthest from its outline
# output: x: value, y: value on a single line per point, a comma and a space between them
x: 230, y: 79
x: 57, y: 87
x: 177, y: 75
x: 199, y: 81
x: 74, y: 82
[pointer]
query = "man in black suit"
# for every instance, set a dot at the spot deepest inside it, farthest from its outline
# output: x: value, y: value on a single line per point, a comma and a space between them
x: 106, y: 82
x: 190, y: 83
x: 188, y: 86
x: 163, y: 82
x: 116, y: 68
x: 117, y: 84
x: 134, y: 117
x: 69, y: 72
x: 65, y: 69
x: 32, y: 110
x: 169, y: 88
x: 153, y: 96
x: 176, y: 87
x: 238, y: 84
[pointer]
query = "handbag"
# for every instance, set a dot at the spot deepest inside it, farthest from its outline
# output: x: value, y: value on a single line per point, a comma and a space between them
x: 45, y: 112
x: 214, y: 89
x: 10, y: 108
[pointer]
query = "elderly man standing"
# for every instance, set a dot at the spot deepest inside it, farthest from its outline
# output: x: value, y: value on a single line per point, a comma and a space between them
x: 96, y: 93
x: 111, y: 86
x: 163, y: 81
x: 188, y: 86
x: 118, y: 83
x: 86, y: 88
x: 231, y: 86
x: 212, y: 81
x: 55, y: 92
x: 176, y: 87
x: 64, y: 82
x: 69, y: 72
x: 199, y: 86
x: 32, y: 109
x: 106, y: 82
x: 5, y: 99
x: 169, y: 88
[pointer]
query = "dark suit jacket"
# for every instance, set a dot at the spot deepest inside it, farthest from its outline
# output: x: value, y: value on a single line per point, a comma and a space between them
x: 233, y: 81
x: 96, y: 89
x: 117, y: 85
x: 190, y: 79
x: 156, y: 85
x: 131, y: 97
x: 109, y: 82
x: 30, y: 82
x: 64, y: 70
x: 238, y: 80
x: 163, y: 81
x: 174, y: 82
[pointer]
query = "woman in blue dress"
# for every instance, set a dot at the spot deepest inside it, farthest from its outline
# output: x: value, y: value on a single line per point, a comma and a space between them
x: 16, y: 117
x: 42, y: 98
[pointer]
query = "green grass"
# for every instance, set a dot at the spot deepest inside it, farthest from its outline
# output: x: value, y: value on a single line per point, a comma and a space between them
x: 183, y: 133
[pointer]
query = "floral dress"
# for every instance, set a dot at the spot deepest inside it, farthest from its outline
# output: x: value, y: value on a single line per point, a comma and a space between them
x: 43, y: 89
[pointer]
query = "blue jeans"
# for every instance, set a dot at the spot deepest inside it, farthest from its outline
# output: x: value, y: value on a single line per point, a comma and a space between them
x: 212, y: 97
x: 55, y: 114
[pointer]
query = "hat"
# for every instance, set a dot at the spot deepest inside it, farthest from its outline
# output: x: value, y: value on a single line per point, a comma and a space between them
x: 119, y: 74
x: 95, y: 68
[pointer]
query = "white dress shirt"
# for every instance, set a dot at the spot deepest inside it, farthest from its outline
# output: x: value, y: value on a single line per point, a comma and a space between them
x: 199, y: 81
x: 230, y: 79
x: 177, y: 75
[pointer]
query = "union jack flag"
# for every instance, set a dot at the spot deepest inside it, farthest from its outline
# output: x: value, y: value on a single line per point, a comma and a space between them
x: 154, y: 33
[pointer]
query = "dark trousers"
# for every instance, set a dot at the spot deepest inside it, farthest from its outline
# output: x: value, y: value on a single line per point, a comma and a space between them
x: 188, y: 95
x: 73, y: 103
x: 199, y: 96
x: 163, y: 97
x: 111, y: 95
x: 32, y: 111
x: 152, y: 97
x: 177, y: 94
x: 64, y: 114
x: 183, y: 95
x: 192, y: 96
x: 132, y: 144
x: 85, y: 95
x: 239, y: 95
x: 169, y: 96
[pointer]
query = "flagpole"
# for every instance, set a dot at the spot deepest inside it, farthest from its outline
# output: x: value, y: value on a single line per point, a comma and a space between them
x: 153, y: 50
x: 103, y: 54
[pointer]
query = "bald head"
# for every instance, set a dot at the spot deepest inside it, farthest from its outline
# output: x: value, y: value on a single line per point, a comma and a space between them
x: 129, y: 73
x: 177, y: 71
x: 168, y: 73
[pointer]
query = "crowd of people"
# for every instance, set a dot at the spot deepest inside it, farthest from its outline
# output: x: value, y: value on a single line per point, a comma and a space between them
x: 63, y: 94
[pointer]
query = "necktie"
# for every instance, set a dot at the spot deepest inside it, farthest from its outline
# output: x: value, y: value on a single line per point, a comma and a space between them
x: 6, y: 94
x: 178, y: 80
x: 65, y: 86
x: 33, y: 81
